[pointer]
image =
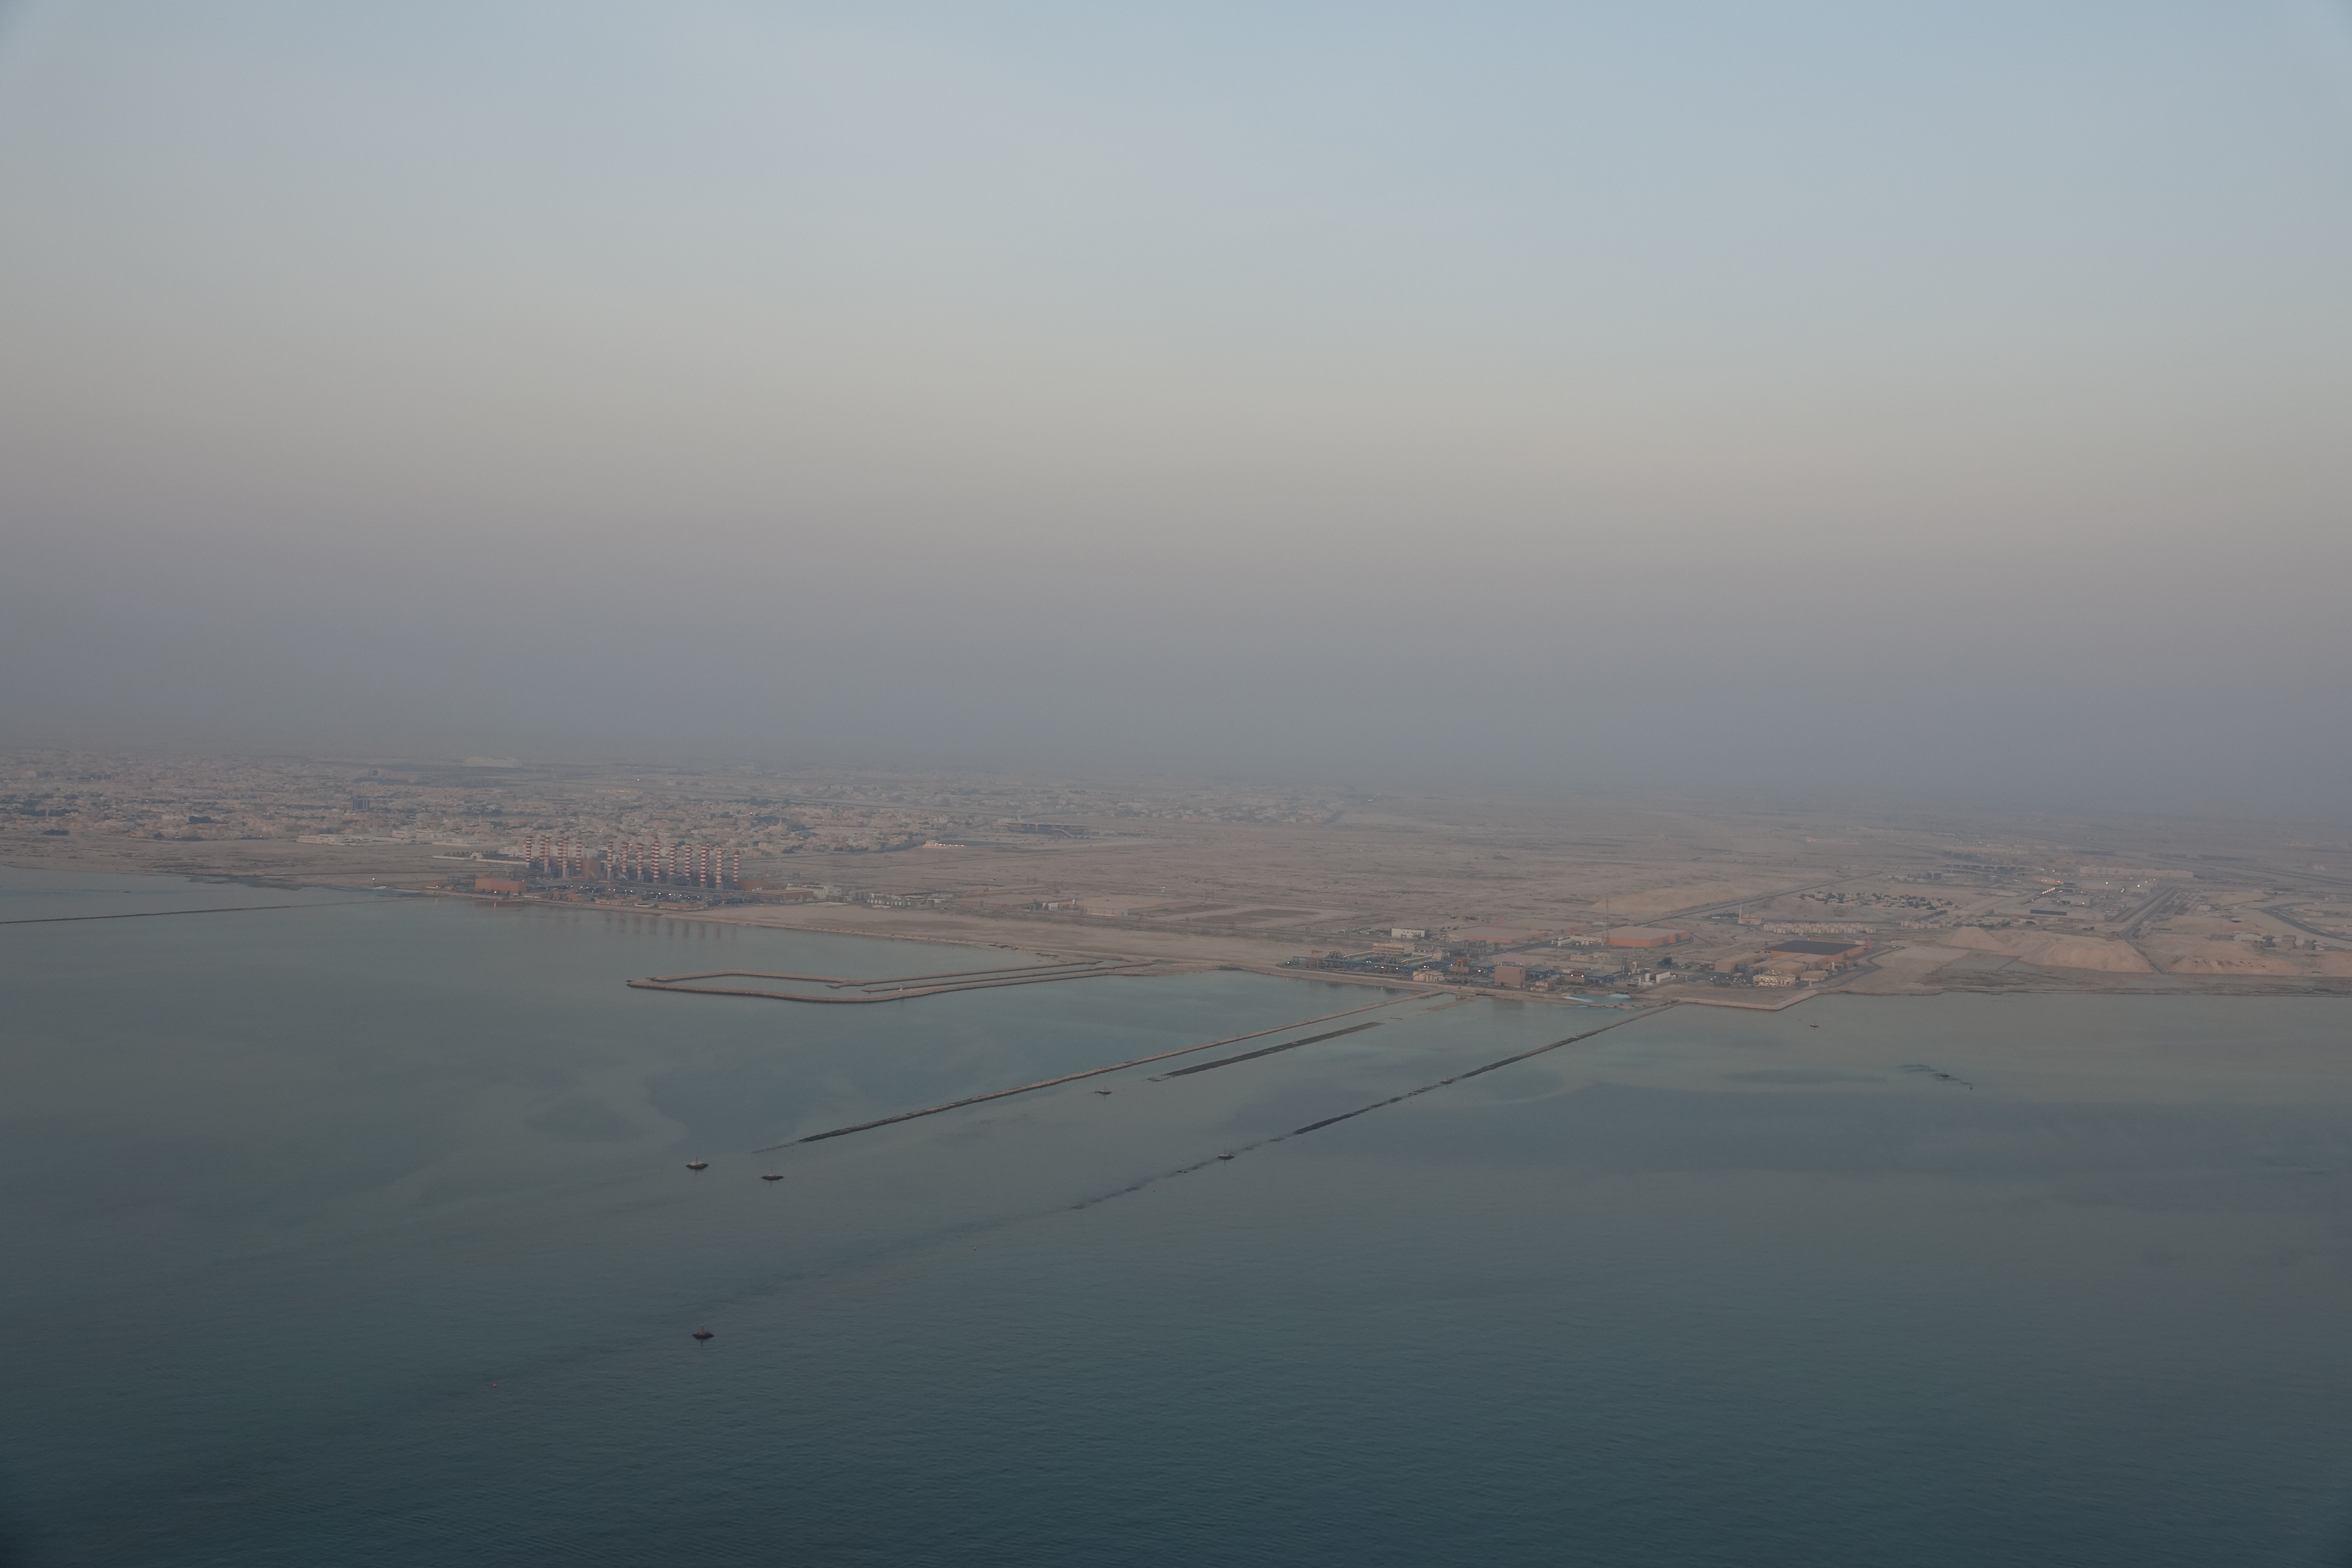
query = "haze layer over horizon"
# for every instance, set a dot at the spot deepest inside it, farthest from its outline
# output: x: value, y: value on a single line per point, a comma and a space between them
x: 1827, y: 396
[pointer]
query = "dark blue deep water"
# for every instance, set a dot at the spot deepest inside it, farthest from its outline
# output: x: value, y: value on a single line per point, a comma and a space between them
x: 361, y: 1233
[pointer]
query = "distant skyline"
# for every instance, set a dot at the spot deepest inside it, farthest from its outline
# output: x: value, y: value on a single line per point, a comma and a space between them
x: 1817, y: 397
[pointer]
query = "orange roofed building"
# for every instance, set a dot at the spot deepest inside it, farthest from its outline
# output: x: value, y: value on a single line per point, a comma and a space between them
x: 1646, y: 936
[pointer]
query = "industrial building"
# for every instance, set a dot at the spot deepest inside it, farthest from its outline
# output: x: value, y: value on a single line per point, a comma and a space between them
x: 1827, y: 952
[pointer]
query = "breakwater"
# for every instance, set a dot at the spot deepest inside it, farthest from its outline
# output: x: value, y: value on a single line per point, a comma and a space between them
x: 838, y: 990
x: 1085, y: 1072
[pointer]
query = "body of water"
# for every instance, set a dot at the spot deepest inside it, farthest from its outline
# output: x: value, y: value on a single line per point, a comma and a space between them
x: 360, y: 1232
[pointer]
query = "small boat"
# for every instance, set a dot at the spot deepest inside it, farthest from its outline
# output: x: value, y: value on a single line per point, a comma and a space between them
x: 697, y: 1164
x: 1102, y: 1091
x: 771, y: 1176
x: 702, y: 1333
x: 1224, y: 1156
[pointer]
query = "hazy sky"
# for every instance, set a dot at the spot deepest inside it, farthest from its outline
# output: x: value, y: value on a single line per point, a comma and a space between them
x: 1875, y: 396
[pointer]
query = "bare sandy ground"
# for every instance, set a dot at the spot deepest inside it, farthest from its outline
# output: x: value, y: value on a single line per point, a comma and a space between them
x: 2046, y: 950
x: 1659, y: 901
x: 1904, y: 971
x: 2201, y: 955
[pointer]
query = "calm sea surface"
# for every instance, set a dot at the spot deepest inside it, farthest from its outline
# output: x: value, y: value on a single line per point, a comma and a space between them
x: 361, y: 1232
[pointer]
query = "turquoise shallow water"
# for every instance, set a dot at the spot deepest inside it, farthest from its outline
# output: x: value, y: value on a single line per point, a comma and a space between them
x: 361, y: 1232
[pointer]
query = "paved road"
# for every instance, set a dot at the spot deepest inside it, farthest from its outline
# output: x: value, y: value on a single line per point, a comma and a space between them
x: 2285, y: 919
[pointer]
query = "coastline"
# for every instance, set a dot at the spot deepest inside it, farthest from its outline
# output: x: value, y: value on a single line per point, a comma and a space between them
x: 1929, y: 965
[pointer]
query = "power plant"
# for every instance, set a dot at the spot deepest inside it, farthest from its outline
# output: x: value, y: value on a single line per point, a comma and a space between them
x: 682, y: 865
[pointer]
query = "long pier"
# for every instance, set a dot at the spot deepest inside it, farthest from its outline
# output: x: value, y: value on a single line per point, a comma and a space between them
x: 1514, y: 1057
x: 1085, y: 1072
x: 896, y: 988
x: 1269, y: 1050
x: 159, y: 914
